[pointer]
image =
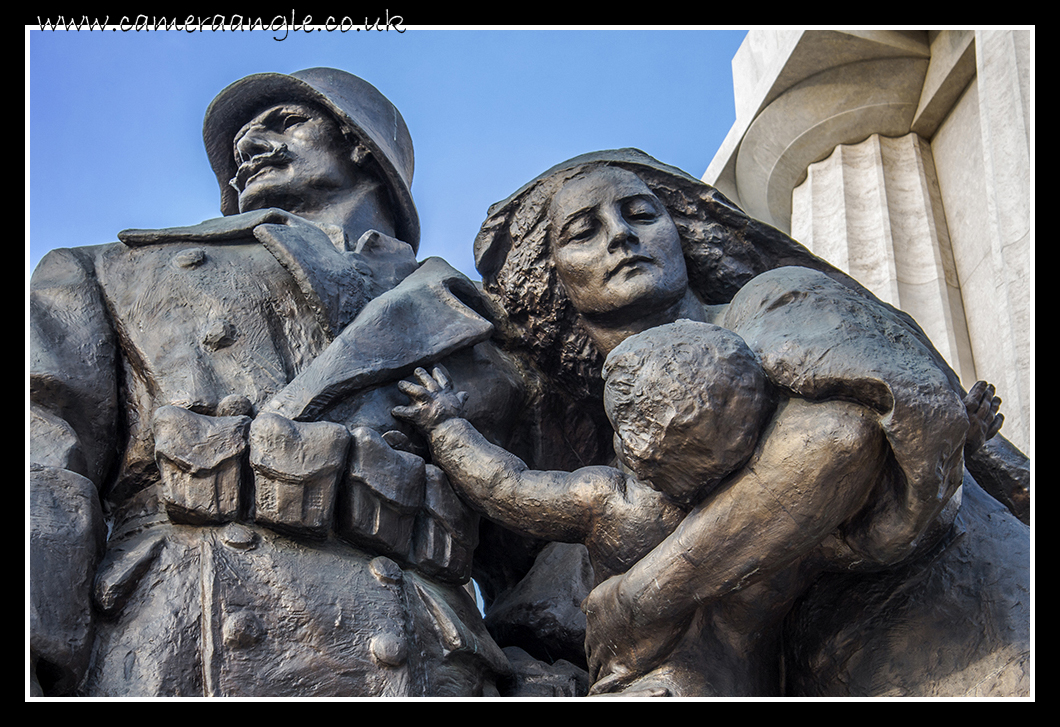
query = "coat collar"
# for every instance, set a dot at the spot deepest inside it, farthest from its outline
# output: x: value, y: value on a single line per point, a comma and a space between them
x: 337, y: 281
x: 386, y: 313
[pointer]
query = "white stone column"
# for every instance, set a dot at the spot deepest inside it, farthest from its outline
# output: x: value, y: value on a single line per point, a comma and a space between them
x: 933, y: 211
x: 1002, y: 280
x: 874, y: 210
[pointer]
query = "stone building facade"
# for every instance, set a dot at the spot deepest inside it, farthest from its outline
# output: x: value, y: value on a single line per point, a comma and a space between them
x: 905, y: 158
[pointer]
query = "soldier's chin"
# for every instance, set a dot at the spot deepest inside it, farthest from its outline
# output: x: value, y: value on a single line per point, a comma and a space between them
x: 256, y: 197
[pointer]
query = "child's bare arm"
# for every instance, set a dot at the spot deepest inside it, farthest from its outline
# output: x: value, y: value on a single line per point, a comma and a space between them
x: 562, y: 506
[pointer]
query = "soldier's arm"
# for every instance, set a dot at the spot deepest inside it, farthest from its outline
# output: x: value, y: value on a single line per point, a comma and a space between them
x: 73, y: 424
x: 73, y: 367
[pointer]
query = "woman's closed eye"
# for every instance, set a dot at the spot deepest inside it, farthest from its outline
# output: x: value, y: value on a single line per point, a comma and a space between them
x: 640, y: 210
x: 580, y: 229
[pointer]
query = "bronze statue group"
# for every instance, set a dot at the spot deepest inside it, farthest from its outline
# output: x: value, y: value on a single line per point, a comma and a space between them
x: 270, y: 450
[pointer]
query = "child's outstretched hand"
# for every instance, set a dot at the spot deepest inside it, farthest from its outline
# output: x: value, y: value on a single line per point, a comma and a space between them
x: 432, y: 400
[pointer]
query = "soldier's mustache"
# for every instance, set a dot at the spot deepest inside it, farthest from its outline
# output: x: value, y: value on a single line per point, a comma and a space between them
x: 277, y: 157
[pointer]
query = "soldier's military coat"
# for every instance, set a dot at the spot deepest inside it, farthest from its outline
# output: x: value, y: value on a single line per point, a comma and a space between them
x: 171, y: 352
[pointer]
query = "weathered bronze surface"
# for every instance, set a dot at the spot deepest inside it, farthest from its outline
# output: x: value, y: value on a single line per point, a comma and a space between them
x: 680, y: 454
x: 848, y: 554
x: 220, y: 396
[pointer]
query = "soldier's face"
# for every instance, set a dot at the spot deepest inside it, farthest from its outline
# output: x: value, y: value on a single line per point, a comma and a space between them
x: 291, y: 156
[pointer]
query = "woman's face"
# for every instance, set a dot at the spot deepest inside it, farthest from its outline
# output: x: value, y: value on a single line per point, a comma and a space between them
x: 616, y: 250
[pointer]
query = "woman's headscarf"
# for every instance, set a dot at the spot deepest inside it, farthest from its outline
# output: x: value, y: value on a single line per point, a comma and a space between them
x: 724, y: 248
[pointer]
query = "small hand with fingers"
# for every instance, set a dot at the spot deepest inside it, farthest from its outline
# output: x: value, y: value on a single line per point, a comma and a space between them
x: 984, y: 421
x: 432, y: 400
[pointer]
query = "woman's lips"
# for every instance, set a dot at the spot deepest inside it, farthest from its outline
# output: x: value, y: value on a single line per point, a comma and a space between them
x: 626, y: 263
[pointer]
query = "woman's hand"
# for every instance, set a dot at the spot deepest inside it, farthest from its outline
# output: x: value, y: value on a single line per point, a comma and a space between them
x: 618, y: 648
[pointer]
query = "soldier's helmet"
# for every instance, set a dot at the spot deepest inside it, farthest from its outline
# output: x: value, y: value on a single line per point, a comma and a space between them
x: 357, y: 106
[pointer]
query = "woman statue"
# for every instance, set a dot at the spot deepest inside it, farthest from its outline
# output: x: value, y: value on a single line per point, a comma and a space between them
x: 792, y: 576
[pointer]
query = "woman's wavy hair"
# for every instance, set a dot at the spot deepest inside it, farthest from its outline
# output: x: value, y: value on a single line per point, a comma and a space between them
x: 723, y: 249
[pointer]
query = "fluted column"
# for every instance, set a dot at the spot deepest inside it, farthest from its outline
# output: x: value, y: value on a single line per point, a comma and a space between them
x: 939, y: 224
x: 1000, y: 280
x: 874, y: 210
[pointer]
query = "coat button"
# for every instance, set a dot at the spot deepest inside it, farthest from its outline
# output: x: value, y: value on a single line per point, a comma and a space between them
x: 190, y: 259
x: 218, y: 334
x: 389, y: 649
x: 238, y: 536
x: 235, y: 405
x: 386, y: 570
x: 242, y: 629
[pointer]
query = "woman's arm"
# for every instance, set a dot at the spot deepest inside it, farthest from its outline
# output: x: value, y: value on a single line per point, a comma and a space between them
x: 814, y: 468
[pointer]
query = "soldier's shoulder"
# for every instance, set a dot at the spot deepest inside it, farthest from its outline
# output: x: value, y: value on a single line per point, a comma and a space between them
x: 61, y: 263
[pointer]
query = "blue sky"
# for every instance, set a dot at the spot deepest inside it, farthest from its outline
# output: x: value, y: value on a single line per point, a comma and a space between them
x: 115, y: 118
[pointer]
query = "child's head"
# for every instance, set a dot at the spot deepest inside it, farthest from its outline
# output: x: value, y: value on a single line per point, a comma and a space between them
x: 687, y: 401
